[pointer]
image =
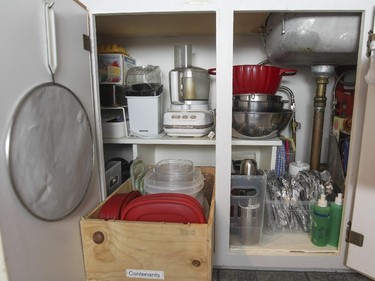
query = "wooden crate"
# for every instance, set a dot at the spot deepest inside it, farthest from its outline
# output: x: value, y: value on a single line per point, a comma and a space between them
x: 123, y: 250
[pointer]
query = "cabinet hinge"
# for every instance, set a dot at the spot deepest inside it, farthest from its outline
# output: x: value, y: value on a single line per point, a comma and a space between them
x: 371, y: 37
x: 353, y: 237
x: 86, y: 43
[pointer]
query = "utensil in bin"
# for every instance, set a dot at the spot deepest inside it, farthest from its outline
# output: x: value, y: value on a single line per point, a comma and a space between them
x: 250, y: 221
x: 248, y: 167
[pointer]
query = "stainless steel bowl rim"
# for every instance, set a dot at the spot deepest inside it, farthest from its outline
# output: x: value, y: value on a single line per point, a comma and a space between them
x: 258, y: 97
x: 263, y: 113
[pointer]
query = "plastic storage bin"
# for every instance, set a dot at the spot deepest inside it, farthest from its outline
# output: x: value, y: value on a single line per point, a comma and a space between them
x: 247, y: 208
x: 287, y: 216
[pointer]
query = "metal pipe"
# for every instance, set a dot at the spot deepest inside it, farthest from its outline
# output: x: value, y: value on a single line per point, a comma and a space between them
x: 293, y: 123
x: 322, y: 74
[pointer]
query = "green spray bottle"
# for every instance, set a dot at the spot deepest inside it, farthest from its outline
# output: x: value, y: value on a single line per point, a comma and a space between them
x: 335, y: 224
x: 320, y: 222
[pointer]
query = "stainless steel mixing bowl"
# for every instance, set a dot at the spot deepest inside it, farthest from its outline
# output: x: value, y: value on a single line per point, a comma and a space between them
x: 259, y: 125
x: 258, y: 103
x: 258, y: 106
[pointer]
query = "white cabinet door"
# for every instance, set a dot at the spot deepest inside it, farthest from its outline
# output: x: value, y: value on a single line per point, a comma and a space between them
x: 362, y: 258
x: 34, y: 249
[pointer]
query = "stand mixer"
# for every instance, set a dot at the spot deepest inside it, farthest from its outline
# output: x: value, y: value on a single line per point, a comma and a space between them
x: 189, y: 86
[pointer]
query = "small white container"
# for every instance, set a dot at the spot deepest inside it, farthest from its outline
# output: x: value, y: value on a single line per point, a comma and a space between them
x: 114, y: 124
x: 114, y: 129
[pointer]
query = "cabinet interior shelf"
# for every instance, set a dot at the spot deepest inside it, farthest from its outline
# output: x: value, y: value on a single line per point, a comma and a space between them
x: 283, y: 243
x: 167, y: 140
x: 189, y: 141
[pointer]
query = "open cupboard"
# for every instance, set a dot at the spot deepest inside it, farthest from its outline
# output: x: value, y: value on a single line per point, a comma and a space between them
x: 224, y: 34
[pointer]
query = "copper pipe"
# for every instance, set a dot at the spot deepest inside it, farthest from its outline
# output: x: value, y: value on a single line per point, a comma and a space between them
x: 294, y: 126
x: 317, y: 133
x: 322, y: 74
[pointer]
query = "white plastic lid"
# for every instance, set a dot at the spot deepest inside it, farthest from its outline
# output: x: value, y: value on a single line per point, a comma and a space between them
x: 322, y: 202
x: 338, y: 199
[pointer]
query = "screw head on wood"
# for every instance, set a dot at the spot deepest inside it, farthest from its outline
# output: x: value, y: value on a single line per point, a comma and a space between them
x: 196, y: 263
x: 98, y: 237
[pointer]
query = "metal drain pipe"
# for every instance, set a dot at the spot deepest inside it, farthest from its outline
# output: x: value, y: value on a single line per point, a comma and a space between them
x: 321, y: 74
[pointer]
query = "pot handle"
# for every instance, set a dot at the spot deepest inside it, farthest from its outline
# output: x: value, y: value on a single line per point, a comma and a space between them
x: 212, y: 71
x: 287, y: 71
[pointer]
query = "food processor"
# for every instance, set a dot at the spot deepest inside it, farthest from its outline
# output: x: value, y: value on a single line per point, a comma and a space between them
x: 189, y: 86
x: 144, y: 97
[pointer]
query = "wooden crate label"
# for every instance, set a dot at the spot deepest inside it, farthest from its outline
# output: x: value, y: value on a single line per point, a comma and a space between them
x: 145, y: 274
x: 187, y: 232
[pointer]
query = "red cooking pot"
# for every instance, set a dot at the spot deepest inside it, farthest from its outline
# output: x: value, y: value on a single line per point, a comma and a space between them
x: 257, y: 79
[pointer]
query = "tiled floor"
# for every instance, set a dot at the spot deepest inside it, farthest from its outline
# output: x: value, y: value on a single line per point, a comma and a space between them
x: 252, y: 275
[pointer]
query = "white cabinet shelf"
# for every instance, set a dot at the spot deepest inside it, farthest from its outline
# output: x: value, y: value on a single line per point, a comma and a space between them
x: 189, y: 141
x: 162, y: 140
x: 281, y: 243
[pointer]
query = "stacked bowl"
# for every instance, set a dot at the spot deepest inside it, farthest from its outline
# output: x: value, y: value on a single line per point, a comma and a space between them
x: 175, y: 176
x: 258, y: 113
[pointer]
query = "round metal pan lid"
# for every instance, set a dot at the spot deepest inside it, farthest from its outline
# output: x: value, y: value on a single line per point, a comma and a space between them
x: 50, y: 151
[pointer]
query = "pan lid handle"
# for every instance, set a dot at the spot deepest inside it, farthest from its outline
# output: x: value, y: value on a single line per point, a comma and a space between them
x: 50, y: 29
x: 212, y: 71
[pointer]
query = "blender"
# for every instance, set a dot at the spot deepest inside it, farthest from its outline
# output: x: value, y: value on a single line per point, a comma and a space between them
x: 189, y: 86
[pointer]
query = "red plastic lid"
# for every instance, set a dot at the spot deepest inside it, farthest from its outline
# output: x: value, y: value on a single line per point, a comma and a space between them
x: 111, y: 209
x: 165, y: 207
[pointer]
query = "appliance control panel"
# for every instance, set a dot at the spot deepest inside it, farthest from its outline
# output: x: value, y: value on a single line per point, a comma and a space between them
x: 187, y: 118
x: 188, y: 123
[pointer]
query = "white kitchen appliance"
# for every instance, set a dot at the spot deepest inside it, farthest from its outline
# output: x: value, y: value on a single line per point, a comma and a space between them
x: 189, y: 87
x: 144, y: 97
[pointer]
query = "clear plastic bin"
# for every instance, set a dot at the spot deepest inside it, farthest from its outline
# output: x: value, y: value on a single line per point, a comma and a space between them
x: 287, y: 216
x: 247, y: 207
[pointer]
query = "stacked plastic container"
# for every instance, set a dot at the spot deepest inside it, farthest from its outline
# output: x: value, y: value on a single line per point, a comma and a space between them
x: 175, y: 176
